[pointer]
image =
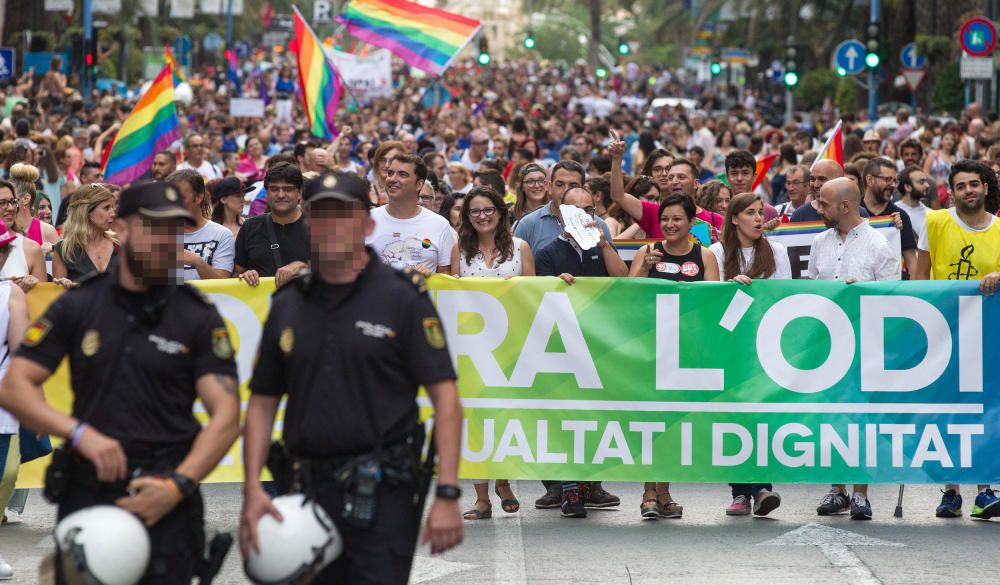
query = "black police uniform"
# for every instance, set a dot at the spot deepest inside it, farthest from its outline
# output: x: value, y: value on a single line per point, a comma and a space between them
x: 350, y: 358
x: 134, y: 360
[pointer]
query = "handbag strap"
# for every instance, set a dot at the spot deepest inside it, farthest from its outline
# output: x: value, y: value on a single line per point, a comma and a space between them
x: 272, y: 240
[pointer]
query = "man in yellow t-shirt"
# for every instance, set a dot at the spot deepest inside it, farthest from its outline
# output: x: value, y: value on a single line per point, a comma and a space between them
x: 963, y: 243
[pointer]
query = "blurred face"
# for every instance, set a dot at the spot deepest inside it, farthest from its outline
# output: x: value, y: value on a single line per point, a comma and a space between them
x: 337, y: 231
x: 401, y: 181
x: 750, y: 222
x: 681, y: 180
x: 8, y: 206
x: 254, y: 148
x: 675, y: 224
x: 580, y: 144
x: 910, y: 156
x: 234, y: 203
x: 90, y: 175
x: 439, y: 167
x: 283, y: 197
x: 483, y: 214
x: 479, y: 148
x: 455, y: 215
x: 344, y: 148
x: 151, y: 247
x: 45, y: 211
x: 533, y: 185
x: 426, y: 197
x: 796, y: 186
x: 948, y: 142
x: 740, y: 178
x: 163, y: 165
x: 969, y: 192
x: 319, y: 159
x: 103, y: 216
x: 651, y: 194
x: 723, y: 204
x: 188, y: 198
x: 562, y: 181
x: 196, y: 148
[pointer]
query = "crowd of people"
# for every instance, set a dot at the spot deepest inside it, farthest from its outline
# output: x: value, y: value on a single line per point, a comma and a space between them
x: 475, y: 189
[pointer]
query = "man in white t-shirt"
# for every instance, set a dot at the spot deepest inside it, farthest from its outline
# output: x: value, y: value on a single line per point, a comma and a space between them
x: 209, y: 248
x: 407, y: 235
x: 197, y: 148
x: 914, y: 188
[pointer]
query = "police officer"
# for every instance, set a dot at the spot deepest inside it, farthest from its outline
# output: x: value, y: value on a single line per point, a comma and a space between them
x: 350, y: 343
x: 141, y: 350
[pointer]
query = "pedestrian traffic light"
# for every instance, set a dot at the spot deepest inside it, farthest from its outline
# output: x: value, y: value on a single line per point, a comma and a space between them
x: 623, y: 48
x: 791, y: 65
x: 484, y: 52
x: 601, y: 72
x: 872, y: 35
x: 716, y: 68
x: 529, y: 41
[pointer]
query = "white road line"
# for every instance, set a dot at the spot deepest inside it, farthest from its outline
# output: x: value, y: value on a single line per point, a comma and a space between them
x: 719, y: 407
x: 508, y: 552
x: 834, y: 543
x: 849, y: 564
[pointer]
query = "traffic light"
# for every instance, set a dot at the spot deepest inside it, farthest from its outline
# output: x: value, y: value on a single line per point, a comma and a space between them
x: 484, y: 51
x: 791, y: 65
x: 716, y: 68
x: 601, y: 72
x: 872, y: 35
x: 529, y: 41
x: 623, y: 48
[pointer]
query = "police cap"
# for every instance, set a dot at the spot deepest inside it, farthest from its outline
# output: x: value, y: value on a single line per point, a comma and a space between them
x: 153, y: 200
x: 339, y: 186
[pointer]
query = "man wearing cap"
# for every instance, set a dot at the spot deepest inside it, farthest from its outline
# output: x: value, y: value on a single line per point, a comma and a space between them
x: 349, y: 344
x: 208, y: 247
x: 141, y: 350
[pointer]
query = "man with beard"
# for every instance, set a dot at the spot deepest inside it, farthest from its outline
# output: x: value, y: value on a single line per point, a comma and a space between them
x: 880, y: 184
x: 911, y: 153
x: 275, y: 244
x: 164, y: 163
x: 914, y: 186
x: 963, y: 243
x: 141, y: 350
x: 849, y: 251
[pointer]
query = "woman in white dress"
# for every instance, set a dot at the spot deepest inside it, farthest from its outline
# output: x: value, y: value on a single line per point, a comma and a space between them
x: 487, y: 247
x: 21, y: 260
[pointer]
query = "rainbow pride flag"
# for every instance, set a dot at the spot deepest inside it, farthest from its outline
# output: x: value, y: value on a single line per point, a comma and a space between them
x: 169, y: 60
x: 150, y: 127
x: 318, y: 79
x: 425, y: 37
x: 834, y: 147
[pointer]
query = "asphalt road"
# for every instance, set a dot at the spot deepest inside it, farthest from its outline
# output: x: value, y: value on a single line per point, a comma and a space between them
x: 792, y: 546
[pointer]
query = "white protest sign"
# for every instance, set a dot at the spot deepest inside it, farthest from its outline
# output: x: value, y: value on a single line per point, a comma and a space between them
x: 368, y: 77
x: 576, y: 222
x: 246, y: 108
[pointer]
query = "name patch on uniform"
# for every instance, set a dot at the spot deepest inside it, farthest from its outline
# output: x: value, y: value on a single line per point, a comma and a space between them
x: 433, y: 333
x: 220, y: 344
x: 91, y: 343
x: 287, y: 340
x: 167, y: 345
x: 375, y: 330
x: 37, y: 332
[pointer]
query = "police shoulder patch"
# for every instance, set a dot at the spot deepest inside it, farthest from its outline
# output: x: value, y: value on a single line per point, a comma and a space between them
x: 37, y: 332
x: 433, y: 332
x: 416, y: 279
x: 221, y: 346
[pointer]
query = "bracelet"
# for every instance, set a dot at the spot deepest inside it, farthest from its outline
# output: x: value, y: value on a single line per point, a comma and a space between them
x: 77, y: 433
x: 173, y: 488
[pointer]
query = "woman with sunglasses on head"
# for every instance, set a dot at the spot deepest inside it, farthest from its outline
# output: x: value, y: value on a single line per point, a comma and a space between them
x: 678, y: 257
x: 487, y: 247
x: 530, y: 190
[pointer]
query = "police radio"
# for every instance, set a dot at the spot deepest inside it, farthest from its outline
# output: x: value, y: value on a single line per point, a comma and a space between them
x: 360, y: 501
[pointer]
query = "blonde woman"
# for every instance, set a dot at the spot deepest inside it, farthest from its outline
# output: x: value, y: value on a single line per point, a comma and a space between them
x: 25, y: 177
x: 88, y: 244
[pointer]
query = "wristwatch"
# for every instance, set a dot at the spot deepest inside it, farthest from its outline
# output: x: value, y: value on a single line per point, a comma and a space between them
x: 448, y: 492
x: 184, y: 483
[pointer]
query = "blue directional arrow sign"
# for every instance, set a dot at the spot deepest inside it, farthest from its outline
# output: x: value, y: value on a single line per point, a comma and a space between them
x: 910, y: 58
x: 850, y: 56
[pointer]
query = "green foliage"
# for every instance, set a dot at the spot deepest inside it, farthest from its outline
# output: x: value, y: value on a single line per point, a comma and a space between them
x: 946, y: 93
x: 847, y: 95
x: 813, y: 87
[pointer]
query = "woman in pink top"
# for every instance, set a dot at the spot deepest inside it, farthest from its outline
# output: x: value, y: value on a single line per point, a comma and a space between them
x: 24, y: 178
x: 252, y: 166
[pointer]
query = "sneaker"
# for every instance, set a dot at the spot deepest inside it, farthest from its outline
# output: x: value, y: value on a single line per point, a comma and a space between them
x: 594, y: 496
x: 552, y: 498
x: 739, y: 507
x: 986, y: 506
x: 6, y: 572
x: 572, y: 504
x: 765, y: 502
x: 951, y: 505
x: 861, y: 509
x: 834, y: 502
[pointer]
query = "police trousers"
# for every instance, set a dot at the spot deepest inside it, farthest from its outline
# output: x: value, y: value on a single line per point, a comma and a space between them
x: 381, y: 554
x: 177, y: 540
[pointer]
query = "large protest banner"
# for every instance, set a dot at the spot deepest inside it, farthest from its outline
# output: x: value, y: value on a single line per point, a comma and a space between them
x: 645, y: 380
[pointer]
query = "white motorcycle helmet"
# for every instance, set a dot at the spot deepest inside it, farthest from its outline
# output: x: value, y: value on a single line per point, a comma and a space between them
x: 294, y: 551
x: 102, y: 545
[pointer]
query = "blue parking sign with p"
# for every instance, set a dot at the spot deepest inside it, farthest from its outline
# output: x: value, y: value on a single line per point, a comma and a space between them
x: 6, y: 63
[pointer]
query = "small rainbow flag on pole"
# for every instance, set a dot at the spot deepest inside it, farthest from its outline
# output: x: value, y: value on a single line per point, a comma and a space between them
x: 318, y: 79
x: 834, y: 147
x: 425, y: 37
x: 168, y: 59
x: 150, y: 127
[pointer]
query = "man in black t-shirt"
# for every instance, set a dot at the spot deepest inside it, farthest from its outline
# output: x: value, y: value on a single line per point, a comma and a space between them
x: 276, y: 243
x: 880, y: 184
